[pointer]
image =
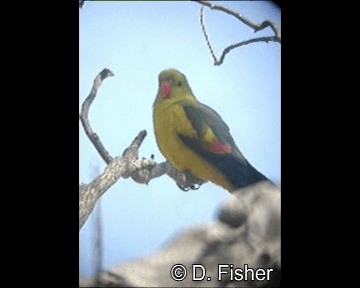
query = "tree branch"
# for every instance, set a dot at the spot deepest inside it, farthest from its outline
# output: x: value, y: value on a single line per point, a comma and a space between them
x: 94, y: 138
x: 243, y: 43
x: 141, y: 171
x: 117, y: 168
x: 206, y: 35
x: 256, y: 27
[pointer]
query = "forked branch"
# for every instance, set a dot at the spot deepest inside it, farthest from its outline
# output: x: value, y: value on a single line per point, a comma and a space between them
x: 256, y: 27
x: 140, y: 170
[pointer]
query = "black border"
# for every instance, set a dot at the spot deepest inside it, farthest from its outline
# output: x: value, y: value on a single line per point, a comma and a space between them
x: 49, y: 144
x: 44, y: 199
x: 60, y: 225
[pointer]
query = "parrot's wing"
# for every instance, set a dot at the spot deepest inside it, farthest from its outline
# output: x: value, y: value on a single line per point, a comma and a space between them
x: 214, y: 143
x: 212, y: 133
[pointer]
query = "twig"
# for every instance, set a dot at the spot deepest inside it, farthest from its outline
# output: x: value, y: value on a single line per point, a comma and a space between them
x: 94, y: 138
x: 256, y: 27
x: 206, y: 35
x: 243, y: 43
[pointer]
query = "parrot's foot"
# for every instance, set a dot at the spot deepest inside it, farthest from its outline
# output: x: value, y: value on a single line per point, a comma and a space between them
x: 191, y: 183
x: 190, y: 187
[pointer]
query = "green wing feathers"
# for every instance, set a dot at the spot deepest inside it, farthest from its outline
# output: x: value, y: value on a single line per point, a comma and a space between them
x: 215, y: 145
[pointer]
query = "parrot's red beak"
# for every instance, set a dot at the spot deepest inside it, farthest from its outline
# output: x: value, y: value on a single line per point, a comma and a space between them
x: 165, y: 89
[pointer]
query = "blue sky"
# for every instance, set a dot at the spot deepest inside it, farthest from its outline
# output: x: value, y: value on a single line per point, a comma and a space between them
x: 137, y: 40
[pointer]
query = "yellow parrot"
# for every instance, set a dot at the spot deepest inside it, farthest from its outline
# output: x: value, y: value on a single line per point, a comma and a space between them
x: 194, y: 138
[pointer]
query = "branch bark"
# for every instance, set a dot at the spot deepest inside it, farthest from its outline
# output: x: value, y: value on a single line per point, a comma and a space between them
x: 117, y: 168
x: 94, y: 138
x: 255, y: 26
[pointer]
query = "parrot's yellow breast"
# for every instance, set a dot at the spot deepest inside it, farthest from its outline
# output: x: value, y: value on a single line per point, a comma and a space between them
x: 170, y: 120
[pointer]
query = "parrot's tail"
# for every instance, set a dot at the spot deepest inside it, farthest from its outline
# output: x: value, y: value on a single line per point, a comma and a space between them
x: 239, y: 172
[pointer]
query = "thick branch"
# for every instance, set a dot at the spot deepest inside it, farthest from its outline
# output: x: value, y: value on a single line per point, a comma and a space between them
x: 184, y: 180
x: 117, y: 168
x: 256, y: 27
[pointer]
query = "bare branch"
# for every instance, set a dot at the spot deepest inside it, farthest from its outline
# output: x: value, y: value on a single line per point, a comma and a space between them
x: 94, y: 138
x: 141, y: 171
x: 183, y: 180
x: 206, y: 35
x: 243, y: 43
x: 138, y: 173
x: 133, y: 149
x: 117, y: 168
x: 256, y: 27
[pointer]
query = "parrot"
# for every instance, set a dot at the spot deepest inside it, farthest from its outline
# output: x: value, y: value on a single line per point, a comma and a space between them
x: 195, y: 139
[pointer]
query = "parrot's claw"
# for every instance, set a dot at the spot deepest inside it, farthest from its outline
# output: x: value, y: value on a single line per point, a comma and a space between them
x: 190, y: 187
x: 183, y: 188
x: 195, y: 186
x: 191, y: 182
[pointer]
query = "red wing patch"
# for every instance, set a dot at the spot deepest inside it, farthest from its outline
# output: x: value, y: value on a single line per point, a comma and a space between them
x: 216, y: 147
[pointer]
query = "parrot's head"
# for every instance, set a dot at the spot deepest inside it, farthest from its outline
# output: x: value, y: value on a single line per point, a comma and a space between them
x: 173, y: 86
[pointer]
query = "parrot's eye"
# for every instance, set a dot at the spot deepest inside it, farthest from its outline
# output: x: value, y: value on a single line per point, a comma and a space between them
x: 179, y: 83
